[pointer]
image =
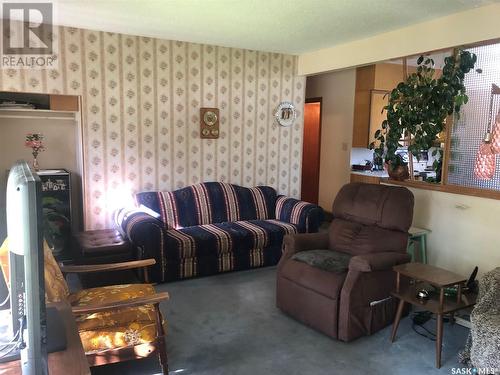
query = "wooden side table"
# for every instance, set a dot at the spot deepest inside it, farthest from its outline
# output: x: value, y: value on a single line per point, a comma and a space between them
x: 424, y: 274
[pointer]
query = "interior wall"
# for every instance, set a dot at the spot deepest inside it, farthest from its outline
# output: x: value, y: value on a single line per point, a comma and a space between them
x: 464, y: 230
x: 60, y: 139
x: 337, y: 91
x: 141, y: 101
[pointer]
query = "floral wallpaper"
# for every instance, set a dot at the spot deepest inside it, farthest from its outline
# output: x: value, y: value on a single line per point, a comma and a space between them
x: 141, y: 99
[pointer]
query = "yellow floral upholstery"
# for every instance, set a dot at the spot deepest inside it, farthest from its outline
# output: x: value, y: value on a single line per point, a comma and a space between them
x: 105, y: 330
x: 117, y: 328
x: 4, y: 261
x: 56, y: 288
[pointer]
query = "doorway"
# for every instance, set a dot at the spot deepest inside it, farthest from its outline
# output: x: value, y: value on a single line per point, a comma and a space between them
x: 311, y: 150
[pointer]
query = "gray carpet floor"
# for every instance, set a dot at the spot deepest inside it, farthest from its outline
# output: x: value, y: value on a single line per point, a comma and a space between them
x: 228, y: 324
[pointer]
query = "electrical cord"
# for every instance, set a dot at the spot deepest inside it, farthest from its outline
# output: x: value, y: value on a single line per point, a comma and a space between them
x: 5, y: 300
x: 14, y: 340
x: 419, y: 319
x: 4, y: 354
x: 15, y: 343
x: 430, y: 335
x: 18, y: 340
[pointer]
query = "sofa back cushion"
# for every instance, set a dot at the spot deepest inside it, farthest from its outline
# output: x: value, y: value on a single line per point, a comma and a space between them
x: 210, y: 203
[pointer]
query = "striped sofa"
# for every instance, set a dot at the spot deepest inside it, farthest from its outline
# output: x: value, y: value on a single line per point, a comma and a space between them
x: 213, y: 227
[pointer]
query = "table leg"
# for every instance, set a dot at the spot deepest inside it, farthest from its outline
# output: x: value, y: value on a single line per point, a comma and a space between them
x: 423, y: 248
x: 439, y: 339
x: 397, y: 319
x: 410, y: 249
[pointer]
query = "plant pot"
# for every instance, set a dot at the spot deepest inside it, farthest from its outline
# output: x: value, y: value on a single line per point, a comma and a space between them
x: 398, y: 173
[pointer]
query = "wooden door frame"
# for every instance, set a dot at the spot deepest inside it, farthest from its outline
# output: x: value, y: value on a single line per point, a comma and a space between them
x: 319, y: 100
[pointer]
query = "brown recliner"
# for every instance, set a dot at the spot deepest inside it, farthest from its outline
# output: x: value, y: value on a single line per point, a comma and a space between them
x: 345, y: 292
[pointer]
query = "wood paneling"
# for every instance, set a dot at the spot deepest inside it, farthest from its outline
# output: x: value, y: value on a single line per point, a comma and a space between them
x: 365, y: 81
x: 378, y: 101
x: 311, y: 152
x: 387, y: 76
x: 453, y: 189
x: 64, y: 103
x: 366, y: 179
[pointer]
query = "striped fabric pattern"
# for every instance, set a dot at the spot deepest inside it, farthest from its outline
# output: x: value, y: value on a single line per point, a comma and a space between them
x: 259, y: 234
x: 215, y: 227
x: 203, y: 204
x: 228, y: 238
x: 168, y: 209
x: 298, y: 212
x: 232, y: 207
x: 260, y: 204
x: 209, y: 203
x: 287, y: 227
x: 186, y: 244
x: 223, y: 237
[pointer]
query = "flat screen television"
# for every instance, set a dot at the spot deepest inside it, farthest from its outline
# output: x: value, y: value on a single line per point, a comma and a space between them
x: 27, y: 286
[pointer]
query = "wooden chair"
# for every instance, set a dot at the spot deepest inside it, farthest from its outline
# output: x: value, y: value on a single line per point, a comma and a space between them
x: 116, y: 323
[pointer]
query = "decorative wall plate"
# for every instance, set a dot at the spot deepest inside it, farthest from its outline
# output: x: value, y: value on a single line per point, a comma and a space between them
x: 209, y: 123
x: 285, y: 114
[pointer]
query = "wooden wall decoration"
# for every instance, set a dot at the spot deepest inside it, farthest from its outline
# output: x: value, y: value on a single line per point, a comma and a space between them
x: 209, y: 123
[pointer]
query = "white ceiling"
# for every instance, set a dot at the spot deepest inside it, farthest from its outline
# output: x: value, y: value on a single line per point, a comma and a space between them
x: 290, y: 26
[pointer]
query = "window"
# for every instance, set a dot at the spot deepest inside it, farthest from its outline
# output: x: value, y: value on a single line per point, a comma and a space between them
x: 466, y: 134
x: 476, y: 118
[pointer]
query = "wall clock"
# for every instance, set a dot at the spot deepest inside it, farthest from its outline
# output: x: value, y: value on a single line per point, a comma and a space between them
x: 209, y: 123
x: 285, y: 114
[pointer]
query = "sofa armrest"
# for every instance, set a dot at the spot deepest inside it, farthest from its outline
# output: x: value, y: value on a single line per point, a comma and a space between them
x: 306, y: 215
x: 147, y: 235
x: 377, y: 261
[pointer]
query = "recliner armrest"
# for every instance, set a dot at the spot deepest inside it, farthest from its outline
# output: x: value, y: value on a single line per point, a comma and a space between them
x: 377, y: 261
x: 293, y: 243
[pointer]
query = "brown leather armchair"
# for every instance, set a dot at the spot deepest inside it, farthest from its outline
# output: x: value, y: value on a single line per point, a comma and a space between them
x: 339, y: 282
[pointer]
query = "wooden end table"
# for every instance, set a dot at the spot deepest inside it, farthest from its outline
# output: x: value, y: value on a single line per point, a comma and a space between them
x: 424, y: 274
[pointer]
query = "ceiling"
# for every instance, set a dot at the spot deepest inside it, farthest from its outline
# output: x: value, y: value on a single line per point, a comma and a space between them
x: 289, y: 26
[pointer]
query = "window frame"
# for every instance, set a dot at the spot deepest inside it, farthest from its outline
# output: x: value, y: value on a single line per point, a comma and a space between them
x: 444, y: 186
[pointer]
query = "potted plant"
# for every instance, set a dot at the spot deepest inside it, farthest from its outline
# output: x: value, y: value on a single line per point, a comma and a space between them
x: 418, y: 107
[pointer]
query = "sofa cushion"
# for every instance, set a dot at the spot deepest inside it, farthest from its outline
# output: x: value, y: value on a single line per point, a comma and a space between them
x: 327, y: 260
x: 328, y: 284
x: 223, y: 238
x: 209, y: 203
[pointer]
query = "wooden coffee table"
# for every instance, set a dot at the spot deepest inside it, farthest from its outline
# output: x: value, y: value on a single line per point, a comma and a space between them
x: 424, y: 274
